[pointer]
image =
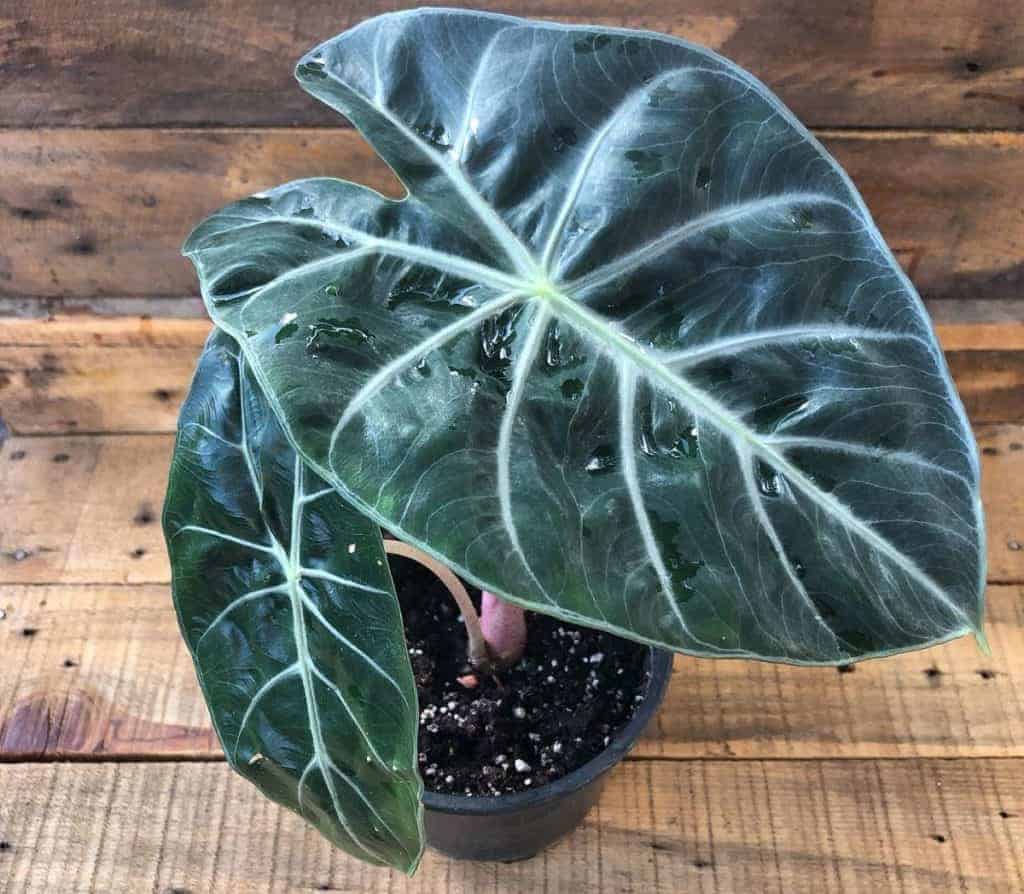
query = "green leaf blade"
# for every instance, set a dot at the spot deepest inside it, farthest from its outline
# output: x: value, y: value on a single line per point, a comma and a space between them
x: 631, y: 352
x: 286, y: 603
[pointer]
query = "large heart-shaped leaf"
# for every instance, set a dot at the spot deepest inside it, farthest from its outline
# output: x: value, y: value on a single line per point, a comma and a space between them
x: 286, y: 602
x: 631, y: 352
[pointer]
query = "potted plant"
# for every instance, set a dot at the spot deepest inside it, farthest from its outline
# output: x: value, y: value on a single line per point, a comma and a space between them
x: 630, y: 354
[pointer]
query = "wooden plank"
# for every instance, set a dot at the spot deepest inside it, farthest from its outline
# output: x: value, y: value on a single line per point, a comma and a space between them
x: 96, y: 374
x: 97, y: 671
x: 93, y: 213
x: 883, y: 63
x: 81, y: 509
x: 129, y: 374
x: 991, y: 384
x: 101, y: 671
x: 787, y: 826
x: 104, y: 213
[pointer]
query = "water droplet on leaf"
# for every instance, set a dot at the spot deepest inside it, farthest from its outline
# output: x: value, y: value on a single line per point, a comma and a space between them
x: 564, y: 137
x: 768, y: 480
x: 602, y: 460
x: 681, y: 568
x: 801, y: 218
x: 435, y: 134
x: 346, y: 331
x: 312, y: 69
x: 286, y: 331
x: 557, y: 353
x: 572, y: 389
x: 720, y: 235
x: 687, y: 443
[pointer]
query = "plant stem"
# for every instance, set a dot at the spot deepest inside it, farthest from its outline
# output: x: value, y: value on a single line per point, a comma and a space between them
x: 504, y: 628
x: 479, y: 655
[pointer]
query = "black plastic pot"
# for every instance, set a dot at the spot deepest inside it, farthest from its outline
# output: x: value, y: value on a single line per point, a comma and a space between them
x: 515, y: 827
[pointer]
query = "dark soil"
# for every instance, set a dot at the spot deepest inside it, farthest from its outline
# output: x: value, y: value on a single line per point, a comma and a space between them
x: 554, y: 710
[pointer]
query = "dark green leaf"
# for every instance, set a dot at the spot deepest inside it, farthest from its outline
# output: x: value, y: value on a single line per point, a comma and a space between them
x: 632, y: 351
x: 285, y: 599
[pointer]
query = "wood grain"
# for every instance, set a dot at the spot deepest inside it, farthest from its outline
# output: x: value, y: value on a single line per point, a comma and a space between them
x: 783, y: 827
x: 98, y: 672
x: 887, y: 63
x: 93, y: 213
x: 122, y: 125
x: 95, y: 672
x: 95, y: 374
x: 81, y: 509
x: 87, y: 373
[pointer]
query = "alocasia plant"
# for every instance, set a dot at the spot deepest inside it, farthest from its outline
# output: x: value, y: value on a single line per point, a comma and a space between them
x: 630, y: 352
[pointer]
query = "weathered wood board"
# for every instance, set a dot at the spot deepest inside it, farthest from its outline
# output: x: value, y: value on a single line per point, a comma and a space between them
x: 886, y: 63
x: 79, y: 509
x: 99, y: 672
x: 87, y: 373
x: 87, y: 213
x: 775, y: 827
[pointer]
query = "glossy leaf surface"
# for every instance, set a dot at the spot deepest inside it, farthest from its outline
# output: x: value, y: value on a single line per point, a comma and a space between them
x: 285, y: 599
x: 631, y: 351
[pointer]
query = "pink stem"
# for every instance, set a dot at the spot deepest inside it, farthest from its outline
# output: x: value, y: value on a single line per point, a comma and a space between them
x: 478, y: 651
x: 504, y: 628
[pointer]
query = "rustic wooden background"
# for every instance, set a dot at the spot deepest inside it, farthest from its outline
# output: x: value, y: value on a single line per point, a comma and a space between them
x: 122, y: 124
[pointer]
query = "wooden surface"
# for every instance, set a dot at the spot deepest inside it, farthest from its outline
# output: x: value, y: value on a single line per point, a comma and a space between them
x: 86, y: 213
x: 110, y: 489
x: 771, y: 827
x: 877, y: 63
x: 122, y: 124
x: 103, y: 673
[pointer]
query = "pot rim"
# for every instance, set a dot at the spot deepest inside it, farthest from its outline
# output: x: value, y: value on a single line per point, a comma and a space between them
x: 660, y: 667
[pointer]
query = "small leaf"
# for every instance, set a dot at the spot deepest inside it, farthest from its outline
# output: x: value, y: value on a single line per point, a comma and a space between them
x: 287, y: 605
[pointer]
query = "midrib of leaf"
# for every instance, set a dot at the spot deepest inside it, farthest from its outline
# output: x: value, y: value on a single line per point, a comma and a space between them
x: 293, y: 568
x: 533, y: 280
x: 733, y: 427
x: 565, y: 307
x: 520, y: 373
x: 303, y: 666
x: 523, y: 260
x: 590, y: 154
x: 747, y: 466
x: 627, y: 450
